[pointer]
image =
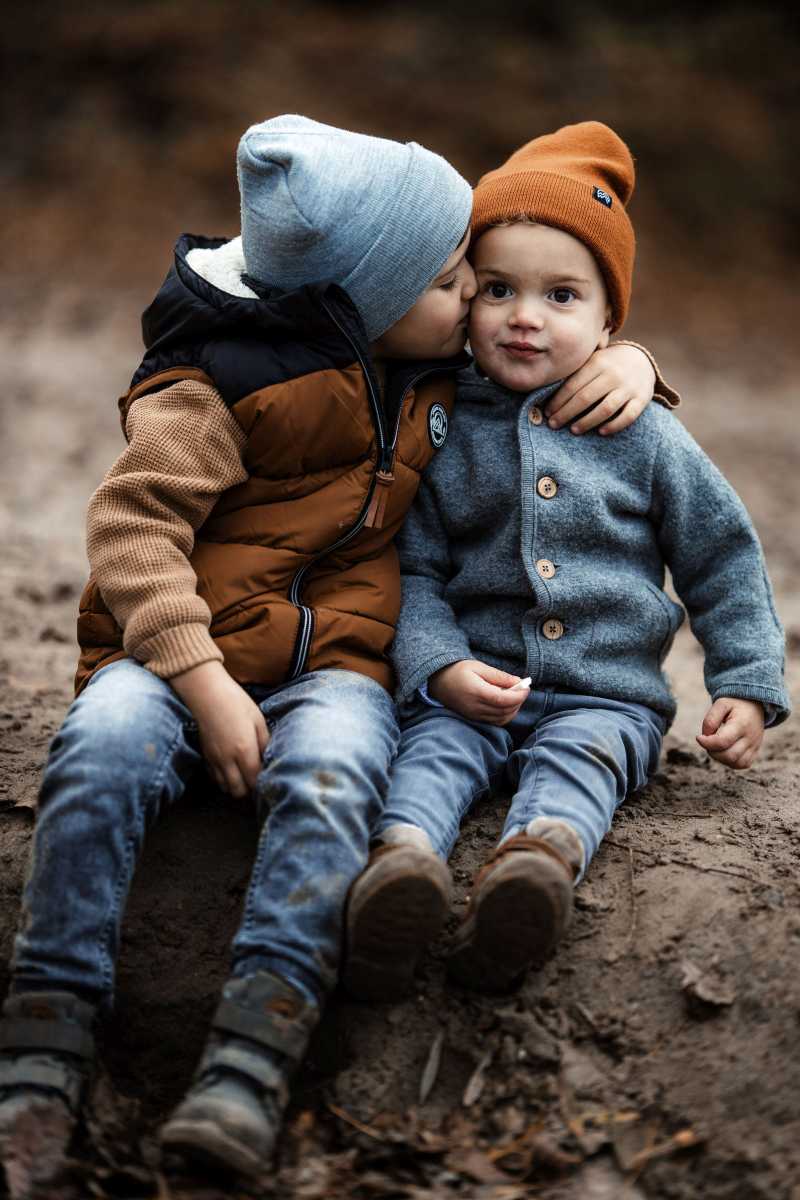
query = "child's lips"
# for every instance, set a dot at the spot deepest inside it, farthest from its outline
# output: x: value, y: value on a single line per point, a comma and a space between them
x: 521, y: 350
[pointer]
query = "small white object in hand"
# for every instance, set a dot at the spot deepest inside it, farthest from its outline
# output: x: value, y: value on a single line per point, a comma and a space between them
x: 523, y: 683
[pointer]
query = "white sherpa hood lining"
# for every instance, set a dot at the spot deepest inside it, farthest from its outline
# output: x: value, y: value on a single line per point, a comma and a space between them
x: 223, y: 267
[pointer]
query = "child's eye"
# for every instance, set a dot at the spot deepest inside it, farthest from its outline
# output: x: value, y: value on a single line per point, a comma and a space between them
x: 448, y: 287
x: 562, y: 295
x: 497, y: 290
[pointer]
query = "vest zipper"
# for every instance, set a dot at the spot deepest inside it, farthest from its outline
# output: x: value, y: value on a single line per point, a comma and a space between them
x: 385, y: 479
x: 372, y: 510
x: 384, y: 452
x: 380, y: 496
x: 304, y: 633
x: 411, y: 384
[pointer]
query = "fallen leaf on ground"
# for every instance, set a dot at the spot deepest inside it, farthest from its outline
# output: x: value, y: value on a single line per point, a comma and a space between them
x: 633, y: 1139
x: 476, y: 1081
x: 500, y: 1191
x: 534, y: 1147
x: 370, y: 1130
x: 393, y: 1129
x: 475, y: 1165
x: 594, y: 1128
x: 431, y: 1067
x: 684, y: 1139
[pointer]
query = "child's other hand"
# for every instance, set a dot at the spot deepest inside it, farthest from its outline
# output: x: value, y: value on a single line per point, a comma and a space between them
x: 478, y: 692
x: 619, y: 381
x: 733, y: 731
x: 233, y: 732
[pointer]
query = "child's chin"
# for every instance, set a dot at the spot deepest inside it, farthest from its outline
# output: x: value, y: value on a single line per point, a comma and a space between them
x: 524, y: 381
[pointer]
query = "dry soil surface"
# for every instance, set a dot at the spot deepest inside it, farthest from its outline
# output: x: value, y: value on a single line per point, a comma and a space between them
x: 656, y: 1055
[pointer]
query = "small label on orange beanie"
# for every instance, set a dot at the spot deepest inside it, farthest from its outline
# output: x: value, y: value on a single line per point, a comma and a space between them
x: 602, y: 196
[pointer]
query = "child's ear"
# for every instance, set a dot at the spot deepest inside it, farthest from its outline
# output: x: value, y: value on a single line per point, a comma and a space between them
x: 605, y: 336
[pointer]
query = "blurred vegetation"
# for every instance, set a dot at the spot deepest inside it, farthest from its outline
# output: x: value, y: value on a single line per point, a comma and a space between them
x: 120, y: 121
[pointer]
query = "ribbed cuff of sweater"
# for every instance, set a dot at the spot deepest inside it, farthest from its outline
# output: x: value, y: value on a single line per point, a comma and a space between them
x: 777, y: 699
x: 175, y: 650
x: 423, y: 672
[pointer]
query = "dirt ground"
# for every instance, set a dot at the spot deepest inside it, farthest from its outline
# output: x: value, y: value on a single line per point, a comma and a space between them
x: 654, y: 1056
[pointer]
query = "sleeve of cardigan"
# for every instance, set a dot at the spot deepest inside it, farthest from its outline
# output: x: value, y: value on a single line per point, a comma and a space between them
x: 662, y: 392
x: 718, y: 568
x: 428, y: 636
x: 184, y: 449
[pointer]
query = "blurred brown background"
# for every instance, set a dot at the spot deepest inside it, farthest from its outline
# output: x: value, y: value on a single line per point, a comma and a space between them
x: 121, y: 122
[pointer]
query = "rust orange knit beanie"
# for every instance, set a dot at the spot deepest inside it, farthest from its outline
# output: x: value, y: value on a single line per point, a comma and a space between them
x: 578, y: 179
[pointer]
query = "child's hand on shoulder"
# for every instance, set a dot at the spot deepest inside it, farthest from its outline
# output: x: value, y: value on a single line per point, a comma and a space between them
x: 233, y: 732
x: 733, y: 731
x: 618, y: 381
x: 478, y: 692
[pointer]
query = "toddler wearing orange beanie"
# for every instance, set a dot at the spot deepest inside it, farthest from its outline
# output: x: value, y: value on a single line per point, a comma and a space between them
x: 534, y: 623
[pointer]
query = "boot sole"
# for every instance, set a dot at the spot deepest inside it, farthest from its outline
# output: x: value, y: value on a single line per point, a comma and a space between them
x: 392, y: 922
x: 204, y: 1142
x: 34, y: 1142
x: 519, y: 915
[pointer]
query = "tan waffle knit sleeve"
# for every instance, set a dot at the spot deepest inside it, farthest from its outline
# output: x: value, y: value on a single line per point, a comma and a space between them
x: 661, y: 389
x: 184, y: 450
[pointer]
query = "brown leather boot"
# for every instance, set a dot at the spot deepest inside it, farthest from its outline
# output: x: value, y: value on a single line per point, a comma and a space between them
x: 395, y: 908
x: 521, y: 905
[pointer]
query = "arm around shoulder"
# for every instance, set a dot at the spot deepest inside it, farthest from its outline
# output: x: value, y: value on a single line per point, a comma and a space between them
x: 662, y: 391
x: 610, y: 391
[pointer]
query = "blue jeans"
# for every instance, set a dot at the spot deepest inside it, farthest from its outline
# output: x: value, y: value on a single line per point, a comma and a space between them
x: 128, y: 746
x: 572, y: 758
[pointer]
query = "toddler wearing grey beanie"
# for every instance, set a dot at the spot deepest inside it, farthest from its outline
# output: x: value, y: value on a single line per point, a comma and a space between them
x: 377, y: 217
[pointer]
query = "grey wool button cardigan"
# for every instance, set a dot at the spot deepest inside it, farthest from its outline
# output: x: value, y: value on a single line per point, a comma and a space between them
x: 622, y: 508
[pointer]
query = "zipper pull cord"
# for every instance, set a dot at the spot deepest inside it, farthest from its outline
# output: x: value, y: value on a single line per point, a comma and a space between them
x: 380, y: 495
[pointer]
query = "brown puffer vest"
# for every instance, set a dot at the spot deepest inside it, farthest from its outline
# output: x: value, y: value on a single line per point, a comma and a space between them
x: 296, y: 564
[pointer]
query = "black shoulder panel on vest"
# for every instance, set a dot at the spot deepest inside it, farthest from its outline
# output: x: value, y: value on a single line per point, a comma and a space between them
x: 244, y: 345
x: 241, y: 366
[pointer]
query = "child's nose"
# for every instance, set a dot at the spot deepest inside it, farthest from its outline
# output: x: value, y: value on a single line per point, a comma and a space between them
x: 527, y: 315
x: 469, y: 284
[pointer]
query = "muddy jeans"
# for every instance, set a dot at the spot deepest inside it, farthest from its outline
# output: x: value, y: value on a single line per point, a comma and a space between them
x: 128, y: 746
x: 572, y: 758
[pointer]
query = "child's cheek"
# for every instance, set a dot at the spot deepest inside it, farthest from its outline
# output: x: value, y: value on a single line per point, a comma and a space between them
x: 474, y: 319
x: 472, y: 334
x: 477, y: 343
x: 476, y: 326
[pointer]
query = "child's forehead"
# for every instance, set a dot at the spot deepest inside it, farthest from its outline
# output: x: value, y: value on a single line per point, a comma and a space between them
x: 529, y: 248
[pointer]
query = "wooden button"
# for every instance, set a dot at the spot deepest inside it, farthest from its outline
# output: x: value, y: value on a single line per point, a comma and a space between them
x: 553, y: 629
x: 547, y: 487
x: 535, y: 416
x: 545, y: 568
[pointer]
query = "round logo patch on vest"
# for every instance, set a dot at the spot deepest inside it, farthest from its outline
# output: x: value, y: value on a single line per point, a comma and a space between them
x: 437, y: 425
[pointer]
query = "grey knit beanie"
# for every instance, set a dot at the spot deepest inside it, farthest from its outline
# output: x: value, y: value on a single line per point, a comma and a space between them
x: 377, y: 217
